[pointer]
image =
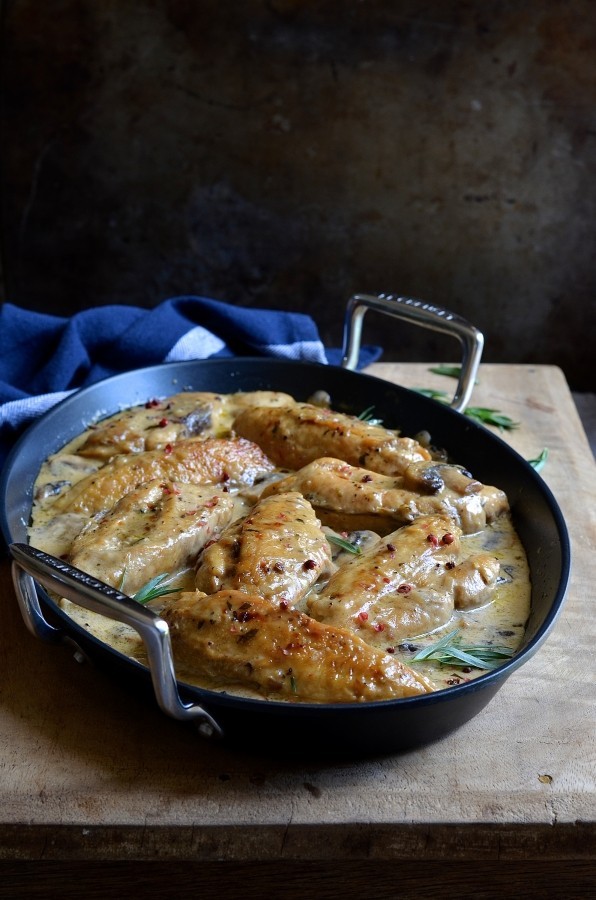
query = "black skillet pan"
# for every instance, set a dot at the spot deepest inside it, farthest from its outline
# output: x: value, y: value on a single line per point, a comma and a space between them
x: 277, y: 727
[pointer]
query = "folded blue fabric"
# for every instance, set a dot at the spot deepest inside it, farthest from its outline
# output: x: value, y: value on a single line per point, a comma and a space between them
x: 43, y: 358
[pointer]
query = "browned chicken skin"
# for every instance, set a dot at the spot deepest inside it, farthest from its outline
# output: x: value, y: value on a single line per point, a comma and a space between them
x: 158, y: 528
x: 295, y: 435
x: 237, y: 640
x: 277, y: 552
x: 194, y: 461
x: 351, y: 498
x: 407, y: 584
x: 153, y: 425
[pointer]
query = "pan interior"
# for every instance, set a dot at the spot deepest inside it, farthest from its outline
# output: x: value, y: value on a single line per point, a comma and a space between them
x: 536, y: 514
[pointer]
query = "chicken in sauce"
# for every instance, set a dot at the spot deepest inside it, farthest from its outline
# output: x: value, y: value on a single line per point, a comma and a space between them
x: 277, y: 552
x: 408, y: 584
x: 155, y: 424
x: 209, y: 461
x: 158, y: 527
x: 310, y: 552
x: 353, y: 498
x: 237, y: 639
x: 293, y: 436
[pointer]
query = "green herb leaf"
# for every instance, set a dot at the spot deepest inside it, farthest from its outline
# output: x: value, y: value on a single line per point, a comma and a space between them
x: 448, y: 651
x: 154, y: 588
x: 449, y: 371
x: 293, y: 685
x: 433, y: 394
x: 540, y: 460
x: 367, y: 416
x: 491, y: 417
x: 480, y: 413
x: 439, y: 645
x: 342, y: 543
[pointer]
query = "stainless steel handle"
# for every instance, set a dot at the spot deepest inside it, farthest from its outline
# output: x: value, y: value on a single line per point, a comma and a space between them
x: 31, y: 611
x: 420, y: 313
x: 92, y: 594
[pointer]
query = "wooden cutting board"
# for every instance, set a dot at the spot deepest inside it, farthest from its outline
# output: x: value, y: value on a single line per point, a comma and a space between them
x: 90, y: 772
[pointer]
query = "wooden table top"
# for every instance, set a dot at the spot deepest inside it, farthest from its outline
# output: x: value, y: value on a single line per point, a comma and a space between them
x: 90, y: 772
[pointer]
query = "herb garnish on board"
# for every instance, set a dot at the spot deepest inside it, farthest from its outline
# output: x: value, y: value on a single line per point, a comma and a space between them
x: 481, y: 413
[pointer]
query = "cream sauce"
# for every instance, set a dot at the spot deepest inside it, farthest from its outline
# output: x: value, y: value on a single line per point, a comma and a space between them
x: 499, y: 622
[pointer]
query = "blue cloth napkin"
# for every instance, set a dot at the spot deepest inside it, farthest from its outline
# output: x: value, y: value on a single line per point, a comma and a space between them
x: 43, y: 358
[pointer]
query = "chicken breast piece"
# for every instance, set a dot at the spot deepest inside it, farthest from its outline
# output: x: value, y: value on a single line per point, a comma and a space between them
x: 248, y: 399
x: 236, y: 640
x: 277, y: 552
x: 194, y: 461
x: 351, y: 498
x: 407, y: 584
x: 156, y: 529
x: 294, y: 436
x: 153, y: 425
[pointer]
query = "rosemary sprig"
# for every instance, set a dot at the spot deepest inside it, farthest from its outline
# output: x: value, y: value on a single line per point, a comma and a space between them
x: 482, y: 414
x: 449, y: 371
x: 448, y: 651
x: 367, y: 416
x: 442, y: 396
x: 342, y: 543
x: 154, y: 588
x: 540, y: 460
x: 491, y: 417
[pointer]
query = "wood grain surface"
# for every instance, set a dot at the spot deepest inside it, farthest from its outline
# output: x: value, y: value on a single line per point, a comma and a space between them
x: 90, y: 772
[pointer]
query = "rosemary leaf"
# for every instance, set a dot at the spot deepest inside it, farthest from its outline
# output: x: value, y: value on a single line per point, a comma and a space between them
x: 449, y: 371
x: 455, y: 656
x: 367, y: 416
x: 449, y: 652
x: 154, y: 588
x: 433, y: 394
x: 540, y: 460
x: 434, y: 648
x: 482, y: 414
x: 342, y: 543
x: 491, y: 417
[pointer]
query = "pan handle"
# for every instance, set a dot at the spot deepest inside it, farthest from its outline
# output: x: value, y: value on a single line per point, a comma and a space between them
x: 30, y: 607
x: 420, y: 313
x: 92, y: 594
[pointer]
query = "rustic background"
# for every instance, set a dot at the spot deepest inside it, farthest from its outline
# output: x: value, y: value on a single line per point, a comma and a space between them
x: 287, y: 154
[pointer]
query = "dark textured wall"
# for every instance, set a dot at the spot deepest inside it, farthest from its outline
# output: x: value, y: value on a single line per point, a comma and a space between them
x: 287, y: 154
